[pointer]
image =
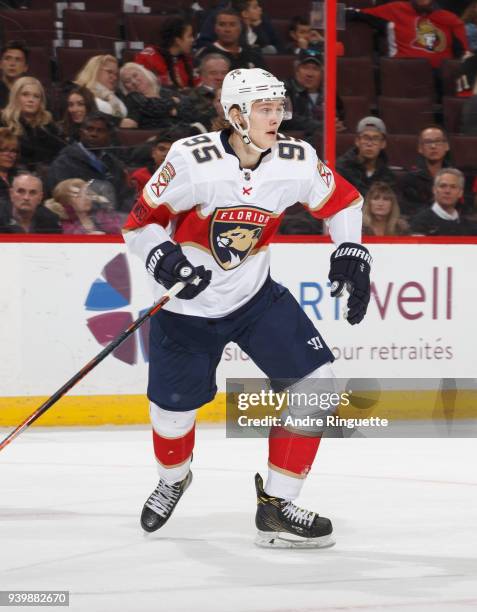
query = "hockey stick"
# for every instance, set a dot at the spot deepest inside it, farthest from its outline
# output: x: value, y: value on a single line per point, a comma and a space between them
x: 92, y: 364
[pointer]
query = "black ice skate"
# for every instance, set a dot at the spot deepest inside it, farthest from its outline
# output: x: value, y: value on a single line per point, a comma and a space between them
x: 161, y: 503
x: 281, y: 524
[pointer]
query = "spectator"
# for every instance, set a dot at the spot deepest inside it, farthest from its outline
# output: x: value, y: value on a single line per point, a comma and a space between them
x: 417, y: 186
x: 79, y: 103
x: 228, y: 29
x: 91, y: 159
x: 469, y: 17
x: 160, y: 146
x: 301, y: 36
x: 13, y: 64
x: 419, y: 29
x: 366, y: 162
x: 258, y: 32
x: 170, y: 60
x: 305, y: 91
x: 29, y: 215
x: 381, y: 213
x: 100, y: 76
x: 26, y: 116
x: 212, y: 69
x: 442, y: 218
x: 81, y: 210
x: 9, y: 146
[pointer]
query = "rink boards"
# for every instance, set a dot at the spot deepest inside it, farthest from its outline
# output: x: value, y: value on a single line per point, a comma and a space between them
x: 66, y: 300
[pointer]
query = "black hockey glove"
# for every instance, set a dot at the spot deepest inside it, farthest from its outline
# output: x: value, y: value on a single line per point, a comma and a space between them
x: 350, y: 267
x: 168, y: 265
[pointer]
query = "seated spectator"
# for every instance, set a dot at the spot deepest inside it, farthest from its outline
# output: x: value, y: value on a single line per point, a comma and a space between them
x: 81, y: 210
x: 419, y: 29
x: 160, y: 146
x: 417, y: 186
x: 228, y: 29
x: 442, y: 218
x: 381, y: 213
x: 469, y: 17
x: 90, y: 159
x: 29, y: 215
x: 170, y: 60
x: 100, y: 76
x: 366, y: 162
x: 149, y: 105
x: 258, y: 32
x: 9, y: 147
x: 79, y: 103
x: 212, y: 70
x: 26, y: 116
x: 301, y: 36
x: 305, y: 91
x: 13, y: 64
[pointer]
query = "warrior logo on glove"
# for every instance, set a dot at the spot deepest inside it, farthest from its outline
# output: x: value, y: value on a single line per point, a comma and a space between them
x: 350, y: 267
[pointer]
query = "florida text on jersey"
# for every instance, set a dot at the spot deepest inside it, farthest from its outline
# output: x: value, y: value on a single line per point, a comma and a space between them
x: 225, y: 216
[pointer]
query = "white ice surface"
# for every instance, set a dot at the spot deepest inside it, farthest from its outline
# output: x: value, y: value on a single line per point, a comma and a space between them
x: 404, y: 513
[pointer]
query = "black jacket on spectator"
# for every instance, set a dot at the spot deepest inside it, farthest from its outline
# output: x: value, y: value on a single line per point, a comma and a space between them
x: 4, y: 94
x: 416, y: 187
x: 75, y: 161
x: 150, y: 113
x: 354, y: 171
x: 248, y: 57
x: 44, y: 222
x: 39, y: 145
x: 428, y: 223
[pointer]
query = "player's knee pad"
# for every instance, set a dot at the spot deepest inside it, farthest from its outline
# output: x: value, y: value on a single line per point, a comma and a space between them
x: 170, y: 424
x: 310, y: 401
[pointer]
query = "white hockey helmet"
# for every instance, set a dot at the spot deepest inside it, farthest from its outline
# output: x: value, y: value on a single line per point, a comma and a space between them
x: 243, y: 87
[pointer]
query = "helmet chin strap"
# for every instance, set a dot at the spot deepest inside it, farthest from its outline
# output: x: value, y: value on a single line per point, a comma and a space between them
x: 245, y: 136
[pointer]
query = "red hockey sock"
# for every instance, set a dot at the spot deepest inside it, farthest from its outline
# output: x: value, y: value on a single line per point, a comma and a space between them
x: 173, y: 451
x: 291, y: 452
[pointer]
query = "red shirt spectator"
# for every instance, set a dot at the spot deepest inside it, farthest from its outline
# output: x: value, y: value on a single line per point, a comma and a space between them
x: 418, y: 29
x: 171, y: 58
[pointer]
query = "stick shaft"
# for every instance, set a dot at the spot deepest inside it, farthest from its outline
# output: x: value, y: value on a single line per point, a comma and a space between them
x: 135, y: 325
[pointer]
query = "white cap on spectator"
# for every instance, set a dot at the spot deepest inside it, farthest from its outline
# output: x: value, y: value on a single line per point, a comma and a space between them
x: 373, y: 123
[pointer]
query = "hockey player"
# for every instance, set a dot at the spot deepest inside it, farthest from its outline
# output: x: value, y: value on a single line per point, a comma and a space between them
x: 207, y: 216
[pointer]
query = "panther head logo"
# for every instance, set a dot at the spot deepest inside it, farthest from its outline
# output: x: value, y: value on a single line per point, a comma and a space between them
x: 234, y: 233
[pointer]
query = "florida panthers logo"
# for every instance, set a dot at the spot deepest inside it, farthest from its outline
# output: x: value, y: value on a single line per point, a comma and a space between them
x: 234, y: 233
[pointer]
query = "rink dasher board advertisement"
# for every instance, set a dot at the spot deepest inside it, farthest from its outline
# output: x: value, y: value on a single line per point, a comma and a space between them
x: 62, y: 302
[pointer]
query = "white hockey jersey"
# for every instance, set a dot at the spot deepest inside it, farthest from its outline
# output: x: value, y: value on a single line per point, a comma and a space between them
x: 225, y: 216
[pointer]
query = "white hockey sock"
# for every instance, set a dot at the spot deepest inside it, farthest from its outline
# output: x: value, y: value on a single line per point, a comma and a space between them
x: 282, y: 485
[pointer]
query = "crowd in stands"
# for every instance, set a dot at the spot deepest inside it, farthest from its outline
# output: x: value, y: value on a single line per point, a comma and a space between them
x: 74, y: 155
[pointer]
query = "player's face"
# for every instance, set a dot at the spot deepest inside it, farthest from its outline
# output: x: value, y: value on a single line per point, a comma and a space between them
x: 381, y: 206
x: 13, y: 63
x: 433, y: 144
x: 265, y: 119
x: 160, y: 151
x: 26, y: 193
x: 447, y: 190
x: 228, y: 28
x: 76, y: 108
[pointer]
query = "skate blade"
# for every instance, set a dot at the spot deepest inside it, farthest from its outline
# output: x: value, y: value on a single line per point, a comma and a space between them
x: 280, y: 539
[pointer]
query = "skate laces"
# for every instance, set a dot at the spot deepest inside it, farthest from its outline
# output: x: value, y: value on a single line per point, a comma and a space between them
x: 298, y: 515
x: 164, y: 497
